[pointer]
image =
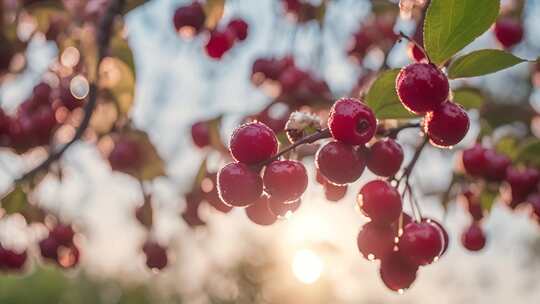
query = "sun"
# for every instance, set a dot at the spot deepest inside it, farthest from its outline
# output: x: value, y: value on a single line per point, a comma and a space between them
x: 307, y: 266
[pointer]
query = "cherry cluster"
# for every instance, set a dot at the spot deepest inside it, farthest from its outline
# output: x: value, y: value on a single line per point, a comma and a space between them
x: 36, y: 120
x: 190, y: 20
x: 376, y: 33
x: 519, y: 185
x: 295, y: 86
x: 59, y: 246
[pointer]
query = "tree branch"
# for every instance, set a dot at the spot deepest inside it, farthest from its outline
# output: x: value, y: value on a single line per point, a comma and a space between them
x: 103, y: 38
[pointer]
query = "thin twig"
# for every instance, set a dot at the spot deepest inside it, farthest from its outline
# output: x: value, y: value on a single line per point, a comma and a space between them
x: 103, y: 39
x: 393, y: 132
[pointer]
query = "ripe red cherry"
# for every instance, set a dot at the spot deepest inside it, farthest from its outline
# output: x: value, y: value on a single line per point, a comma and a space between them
x: 473, y: 205
x: 352, y: 122
x: 11, y: 260
x: 282, y: 209
x: 508, y: 32
x: 421, y: 243
x: 334, y: 193
x: 339, y: 163
x: 379, y: 201
x: 444, y: 233
x: 259, y: 212
x: 522, y: 181
x: 189, y: 19
x: 238, y: 185
x: 218, y: 44
x: 406, y: 220
x: 447, y: 125
x: 496, y: 165
x: 156, y: 255
x: 375, y: 241
x: 48, y: 248
x: 253, y: 143
x: 211, y: 195
x: 68, y: 100
x: 415, y: 53
x: 473, y: 238
x: 291, y: 79
x: 397, y: 272
x: 422, y: 87
x: 385, y: 157
x: 126, y: 155
x: 285, y: 180
x: 63, y: 234
x: 200, y: 134
x: 474, y: 160
x: 41, y: 93
x: 239, y: 27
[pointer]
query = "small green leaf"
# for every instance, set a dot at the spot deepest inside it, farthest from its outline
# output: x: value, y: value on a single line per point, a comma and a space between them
x: 529, y: 152
x: 14, y: 201
x: 382, y: 97
x: 487, y: 199
x: 214, y: 11
x: 469, y: 98
x: 508, y: 145
x: 450, y: 25
x: 482, y: 62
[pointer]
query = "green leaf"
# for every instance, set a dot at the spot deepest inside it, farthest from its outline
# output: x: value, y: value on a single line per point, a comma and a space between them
x: 469, y: 98
x: 14, y: 201
x: 482, y: 62
x: 529, y: 152
x: 382, y: 97
x: 487, y: 199
x: 450, y: 25
x: 214, y: 11
x: 508, y: 145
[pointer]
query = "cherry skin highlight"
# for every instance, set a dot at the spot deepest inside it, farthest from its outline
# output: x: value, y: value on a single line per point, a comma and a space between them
x: 422, y: 87
x: 375, y: 241
x: 379, y: 201
x: 421, y: 243
x: 447, y: 125
x: 339, y: 163
x: 473, y: 238
x: 385, y: 157
x: 238, y: 185
x: 285, y: 180
x: 253, y: 143
x: 352, y: 122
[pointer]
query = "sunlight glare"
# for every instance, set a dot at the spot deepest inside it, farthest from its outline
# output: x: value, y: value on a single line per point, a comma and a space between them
x: 307, y: 266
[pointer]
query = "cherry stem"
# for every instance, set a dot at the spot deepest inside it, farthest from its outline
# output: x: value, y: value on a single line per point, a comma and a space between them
x: 309, y: 139
x: 405, y: 177
x: 103, y: 38
x: 407, y: 37
x: 392, y: 133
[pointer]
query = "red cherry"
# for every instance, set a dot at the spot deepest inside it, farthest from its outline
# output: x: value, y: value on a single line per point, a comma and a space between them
x: 156, y: 255
x: 334, y: 193
x: 259, y: 212
x: 239, y: 27
x: 397, y: 272
x: 447, y: 125
x: 508, y: 32
x: 473, y: 238
x: 218, y: 44
x: 68, y: 257
x: 339, y: 163
x: 406, y: 220
x: 416, y: 54
x: 291, y: 79
x: 41, y: 93
x: 496, y: 165
x: 376, y: 241
x: 422, y: 243
x: 473, y: 205
x: 11, y: 260
x: 68, y: 100
x: 379, y: 201
x: 474, y: 160
x: 189, y: 19
x: 211, y: 195
x: 282, y: 209
x: 238, y: 185
x: 285, y: 180
x: 444, y: 233
x: 200, y: 133
x: 522, y: 181
x: 126, y: 155
x: 385, y: 157
x: 352, y: 122
x: 63, y: 234
x: 253, y: 143
x: 422, y: 87
x: 48, y: 248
